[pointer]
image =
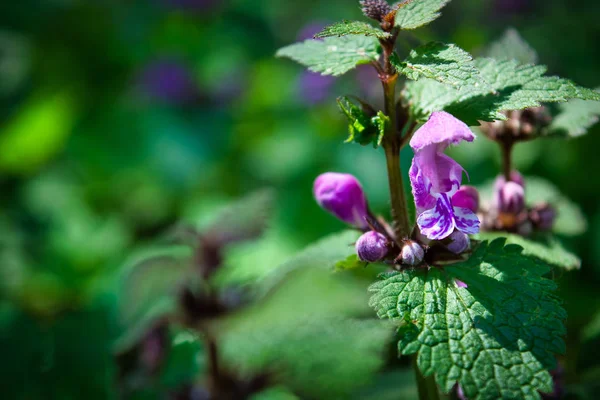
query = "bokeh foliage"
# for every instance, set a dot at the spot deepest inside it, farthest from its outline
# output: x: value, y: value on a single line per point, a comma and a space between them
x: 119, y: 119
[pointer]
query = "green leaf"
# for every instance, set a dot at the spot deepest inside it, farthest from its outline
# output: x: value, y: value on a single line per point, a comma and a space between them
x: 244, y: 219
x: 592, y: 330
x: 496, y: 337
x: 350, y: 262
x: 326, y: 252
x: 545, y: 247
x: 363, y: 128
x: 333, y: 55
x: 149, y: 290
x: 352, y: 28
x: 511, y: 46
x: 380, y: 121
x: 415, y: 13
x: 305, y: 334
x: 574, y: 119
x: 185, y: 359
x: 515, y: 87
x: 445, y: 63
x: 37, y: 132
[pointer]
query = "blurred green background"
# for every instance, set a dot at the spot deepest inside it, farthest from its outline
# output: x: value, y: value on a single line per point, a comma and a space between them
x: 120, y: 118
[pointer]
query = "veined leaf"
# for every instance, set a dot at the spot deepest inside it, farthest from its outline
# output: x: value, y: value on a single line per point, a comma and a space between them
x: 574, y: 119
x: 333, y: 55
x: 515, y: 87
x: 496, y: 337
x: 545, y: 247
x: 415, y: 13
x: 445, y: 63
x: 511, y: 46
x: 352, y: 28
x: 363, y: 128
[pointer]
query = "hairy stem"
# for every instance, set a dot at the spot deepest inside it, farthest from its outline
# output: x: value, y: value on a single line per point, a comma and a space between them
x: 428, y: 389
x: 506, y: 159
x: 392, y: 144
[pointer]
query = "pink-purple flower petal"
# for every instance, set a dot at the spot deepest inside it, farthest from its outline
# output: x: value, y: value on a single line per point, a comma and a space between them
x: 438, y: 222
x: 441, y: 129
x: 466, y: 220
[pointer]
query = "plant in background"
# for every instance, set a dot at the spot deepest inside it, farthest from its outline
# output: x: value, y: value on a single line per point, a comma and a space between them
x: 466, y: 282
x: 478, y: 314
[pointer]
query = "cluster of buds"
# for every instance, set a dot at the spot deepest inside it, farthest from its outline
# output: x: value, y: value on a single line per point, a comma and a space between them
x: 342, y: 195
x: 520, y: 125
x: 375, y: 9
x: 381, y: 11
x: 446, y: 209
x: 509, y: 212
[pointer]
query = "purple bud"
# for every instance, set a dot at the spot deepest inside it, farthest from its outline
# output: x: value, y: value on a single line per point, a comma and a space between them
x: 542, y: 216
x: 460, y: 242
x: 371, y: 246
x: 515, y: 176
x: 466, y: 197
x: 510, y: 198
x: 343, y: 196
x: 412, y: 253
x: 375, y: 9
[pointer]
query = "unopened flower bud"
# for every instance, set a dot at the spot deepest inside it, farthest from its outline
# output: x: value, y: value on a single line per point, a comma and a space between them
x: 466, y: 197
x: 510, y: 198
x: 412, y: 253
x: 372, y: 246
x: 375, y: 9
x: 542, y: 216
x: 515, y: 176
x: 343, y: 196
x: 460, y: 242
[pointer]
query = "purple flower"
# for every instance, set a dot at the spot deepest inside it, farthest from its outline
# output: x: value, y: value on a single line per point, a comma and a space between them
x: 460, y: 284
x: 543, y: 216
x: 343, y: 196
x: 371, y: 246
x: 510, y: 198
x: 515, y: 176
x: 466, y: 197
x: 412, y: 253
x: 169, y: 80
x: 436, y: 178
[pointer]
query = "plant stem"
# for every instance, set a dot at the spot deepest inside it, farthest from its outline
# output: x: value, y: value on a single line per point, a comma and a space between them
x: 507, y: 159
x: 213, y: 359
x: 428, y: 389
x: 392, y: 145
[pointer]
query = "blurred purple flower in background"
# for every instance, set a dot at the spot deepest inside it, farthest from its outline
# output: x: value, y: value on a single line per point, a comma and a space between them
x: 169, y: 80
x: 313, y: 87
